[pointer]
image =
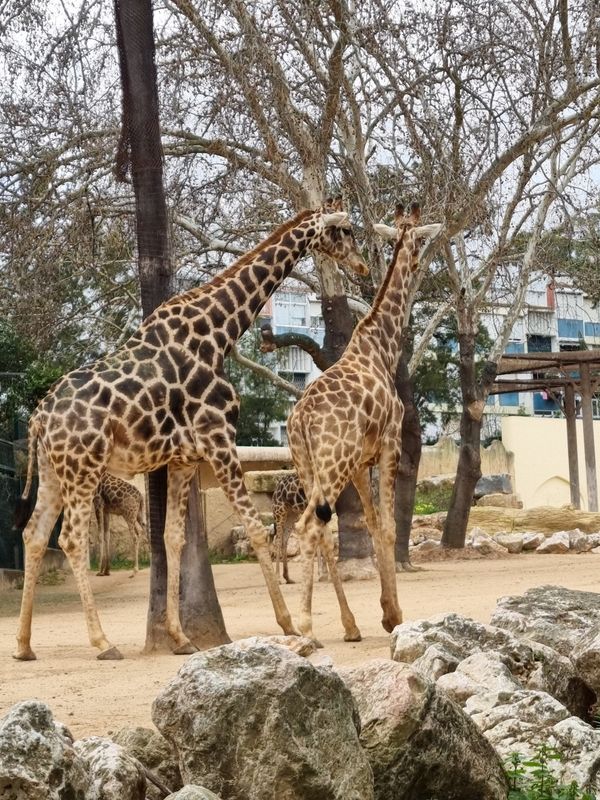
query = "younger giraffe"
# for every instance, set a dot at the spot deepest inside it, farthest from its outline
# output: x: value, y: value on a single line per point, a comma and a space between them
x: 289, y: 499
x: 115, y: 496
x: 163, y: 398
x: 349, y: 419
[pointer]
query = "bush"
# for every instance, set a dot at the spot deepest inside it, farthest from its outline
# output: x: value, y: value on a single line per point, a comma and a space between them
x: 533, y: 780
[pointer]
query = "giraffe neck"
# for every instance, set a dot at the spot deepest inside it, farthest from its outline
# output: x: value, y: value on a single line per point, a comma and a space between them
x: 226, y: 307
x: 382, y: 327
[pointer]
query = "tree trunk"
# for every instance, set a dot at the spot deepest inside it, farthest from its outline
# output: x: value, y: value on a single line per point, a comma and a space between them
x: 140, y: 148
x: 474, y: 393
x: 406, y: 480
x: 354, y: 539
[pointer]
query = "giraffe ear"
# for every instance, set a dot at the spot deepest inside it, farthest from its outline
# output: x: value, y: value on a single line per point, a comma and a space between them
x: 386, y: 231
x: 428, y: 231
x: 335, y: 220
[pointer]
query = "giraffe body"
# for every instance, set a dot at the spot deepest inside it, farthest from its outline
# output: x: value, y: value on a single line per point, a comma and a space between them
x: 350, y: 419
x: 116, y: 496
x: 163, y: 398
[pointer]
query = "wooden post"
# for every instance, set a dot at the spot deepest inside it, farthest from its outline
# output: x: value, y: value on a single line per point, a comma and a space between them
x: 569, y: 409
x: 588, y: 437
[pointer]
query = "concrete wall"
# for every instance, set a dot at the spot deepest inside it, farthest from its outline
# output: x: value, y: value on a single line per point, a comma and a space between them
x: 539, y: 447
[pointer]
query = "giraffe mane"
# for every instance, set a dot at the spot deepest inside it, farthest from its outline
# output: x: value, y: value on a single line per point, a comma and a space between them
x: 388, y: 275
x: 248, y: 257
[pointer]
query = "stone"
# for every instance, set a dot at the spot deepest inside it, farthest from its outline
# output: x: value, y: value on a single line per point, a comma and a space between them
x: 422, y: 534
x: 531, y: 541
x: 250, y: 716
x: 478, y: 674
x: 543, y: 519
x: 513, y: 542
x: 193, y: 792
x: 408, y: 728
x: 427, y: 547
x: 493, y: 484
x: 155, y: 753
x: 579, y: 542
x: 301, y: 645
x: 439, y: 645
x: 500, y: 500
x: 37, y: 757
x: 556, y: 543
x: 530, y: 719
x: 357, y: 569
x: 293, y: 546
x: 264, y: 481
x: 483, y: 543
x: 429, y: 520
x: 113, y: 774
x: 535, y: 615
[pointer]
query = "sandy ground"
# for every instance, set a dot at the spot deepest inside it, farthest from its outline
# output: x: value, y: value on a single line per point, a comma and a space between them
x: 96, y: 697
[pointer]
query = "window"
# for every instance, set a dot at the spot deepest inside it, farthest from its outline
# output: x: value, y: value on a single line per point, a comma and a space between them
x: 570, y: 328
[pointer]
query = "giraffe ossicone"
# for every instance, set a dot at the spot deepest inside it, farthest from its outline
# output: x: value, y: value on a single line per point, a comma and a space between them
x: 350, y: 419
x: 163, y: 399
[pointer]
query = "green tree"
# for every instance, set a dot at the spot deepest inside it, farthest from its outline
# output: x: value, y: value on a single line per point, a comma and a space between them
x: 261, y: 402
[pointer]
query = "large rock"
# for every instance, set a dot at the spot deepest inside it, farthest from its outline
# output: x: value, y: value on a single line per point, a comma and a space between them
x: 498, y: 499
x: 37, y: 757
x: 193, y: 792
x: 251, y: 716
x: 532, y: 540
x: 492, y: 484
x: 113, y: 774
x: 527, y: 720
x: 439, y: 645
x: 477, y: 674
x: 513, y: 542
x: 559, y: 542
x: 484, y: 544
x: 155, y: 753
x: 566, y: 620
x: 419, y: 743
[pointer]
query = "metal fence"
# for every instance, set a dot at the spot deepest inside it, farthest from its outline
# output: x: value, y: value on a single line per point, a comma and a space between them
x: 13, y: 461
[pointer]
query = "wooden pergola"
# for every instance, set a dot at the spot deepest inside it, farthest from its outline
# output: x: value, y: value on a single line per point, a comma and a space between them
x: 563, y: 376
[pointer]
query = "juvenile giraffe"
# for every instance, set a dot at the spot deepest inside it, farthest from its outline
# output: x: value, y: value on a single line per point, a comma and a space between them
x: 115, y: 496
x: 349, y: 419
x: 163, y: 398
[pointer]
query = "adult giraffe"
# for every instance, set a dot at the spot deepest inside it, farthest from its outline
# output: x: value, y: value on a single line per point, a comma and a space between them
x: 349, y: 419
x: 163, y: 398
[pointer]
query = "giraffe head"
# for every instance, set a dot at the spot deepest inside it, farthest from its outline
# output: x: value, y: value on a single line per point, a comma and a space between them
x: 408, y: 233
x: 335, y: 237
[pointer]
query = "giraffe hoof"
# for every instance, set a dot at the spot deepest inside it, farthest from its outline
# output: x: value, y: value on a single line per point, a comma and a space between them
x: 353, y: 637
x: 185, y: 649
x: 390, y: 624
x: 318, y: 644
x: 26, y: 655
x: 112, y: 654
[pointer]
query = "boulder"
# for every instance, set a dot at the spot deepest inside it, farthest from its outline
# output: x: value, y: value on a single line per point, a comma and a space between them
x: 580, y: 542
x: 513, y: 542
x: 357, y: 569
x: 113, y: 774
x: 528, y: 720
x: 426, y: 547
x: 500, y: 500
x: 531, y: 540
x: 556, y: 543
x: 493, y: 484
x: 419, y: 743
x: 536, y: 613
x: 261, y: 481
x: 37, y: 757
x: 155, y: 753
x: 483, y: 543
x: 250, y: 716
x: 478, y: 674
x: 423, y: 533
x: 193, y: 792
x: 439, y: 645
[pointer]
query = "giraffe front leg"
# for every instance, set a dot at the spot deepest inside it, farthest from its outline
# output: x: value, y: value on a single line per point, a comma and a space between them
x: 35, y: 540
x: 104, y: 523
x: 72, y: 540
x: 179, y: 479
x: 228, y: 471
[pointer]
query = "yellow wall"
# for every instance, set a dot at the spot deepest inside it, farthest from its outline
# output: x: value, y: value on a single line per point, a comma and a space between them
x: 541, y: 466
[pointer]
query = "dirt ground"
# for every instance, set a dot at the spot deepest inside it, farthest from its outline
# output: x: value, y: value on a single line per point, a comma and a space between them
x: 96, y: 697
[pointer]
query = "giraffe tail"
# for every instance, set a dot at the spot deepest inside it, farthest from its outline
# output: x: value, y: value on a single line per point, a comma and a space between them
x: 318, y: 499
x: 31, y: 457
